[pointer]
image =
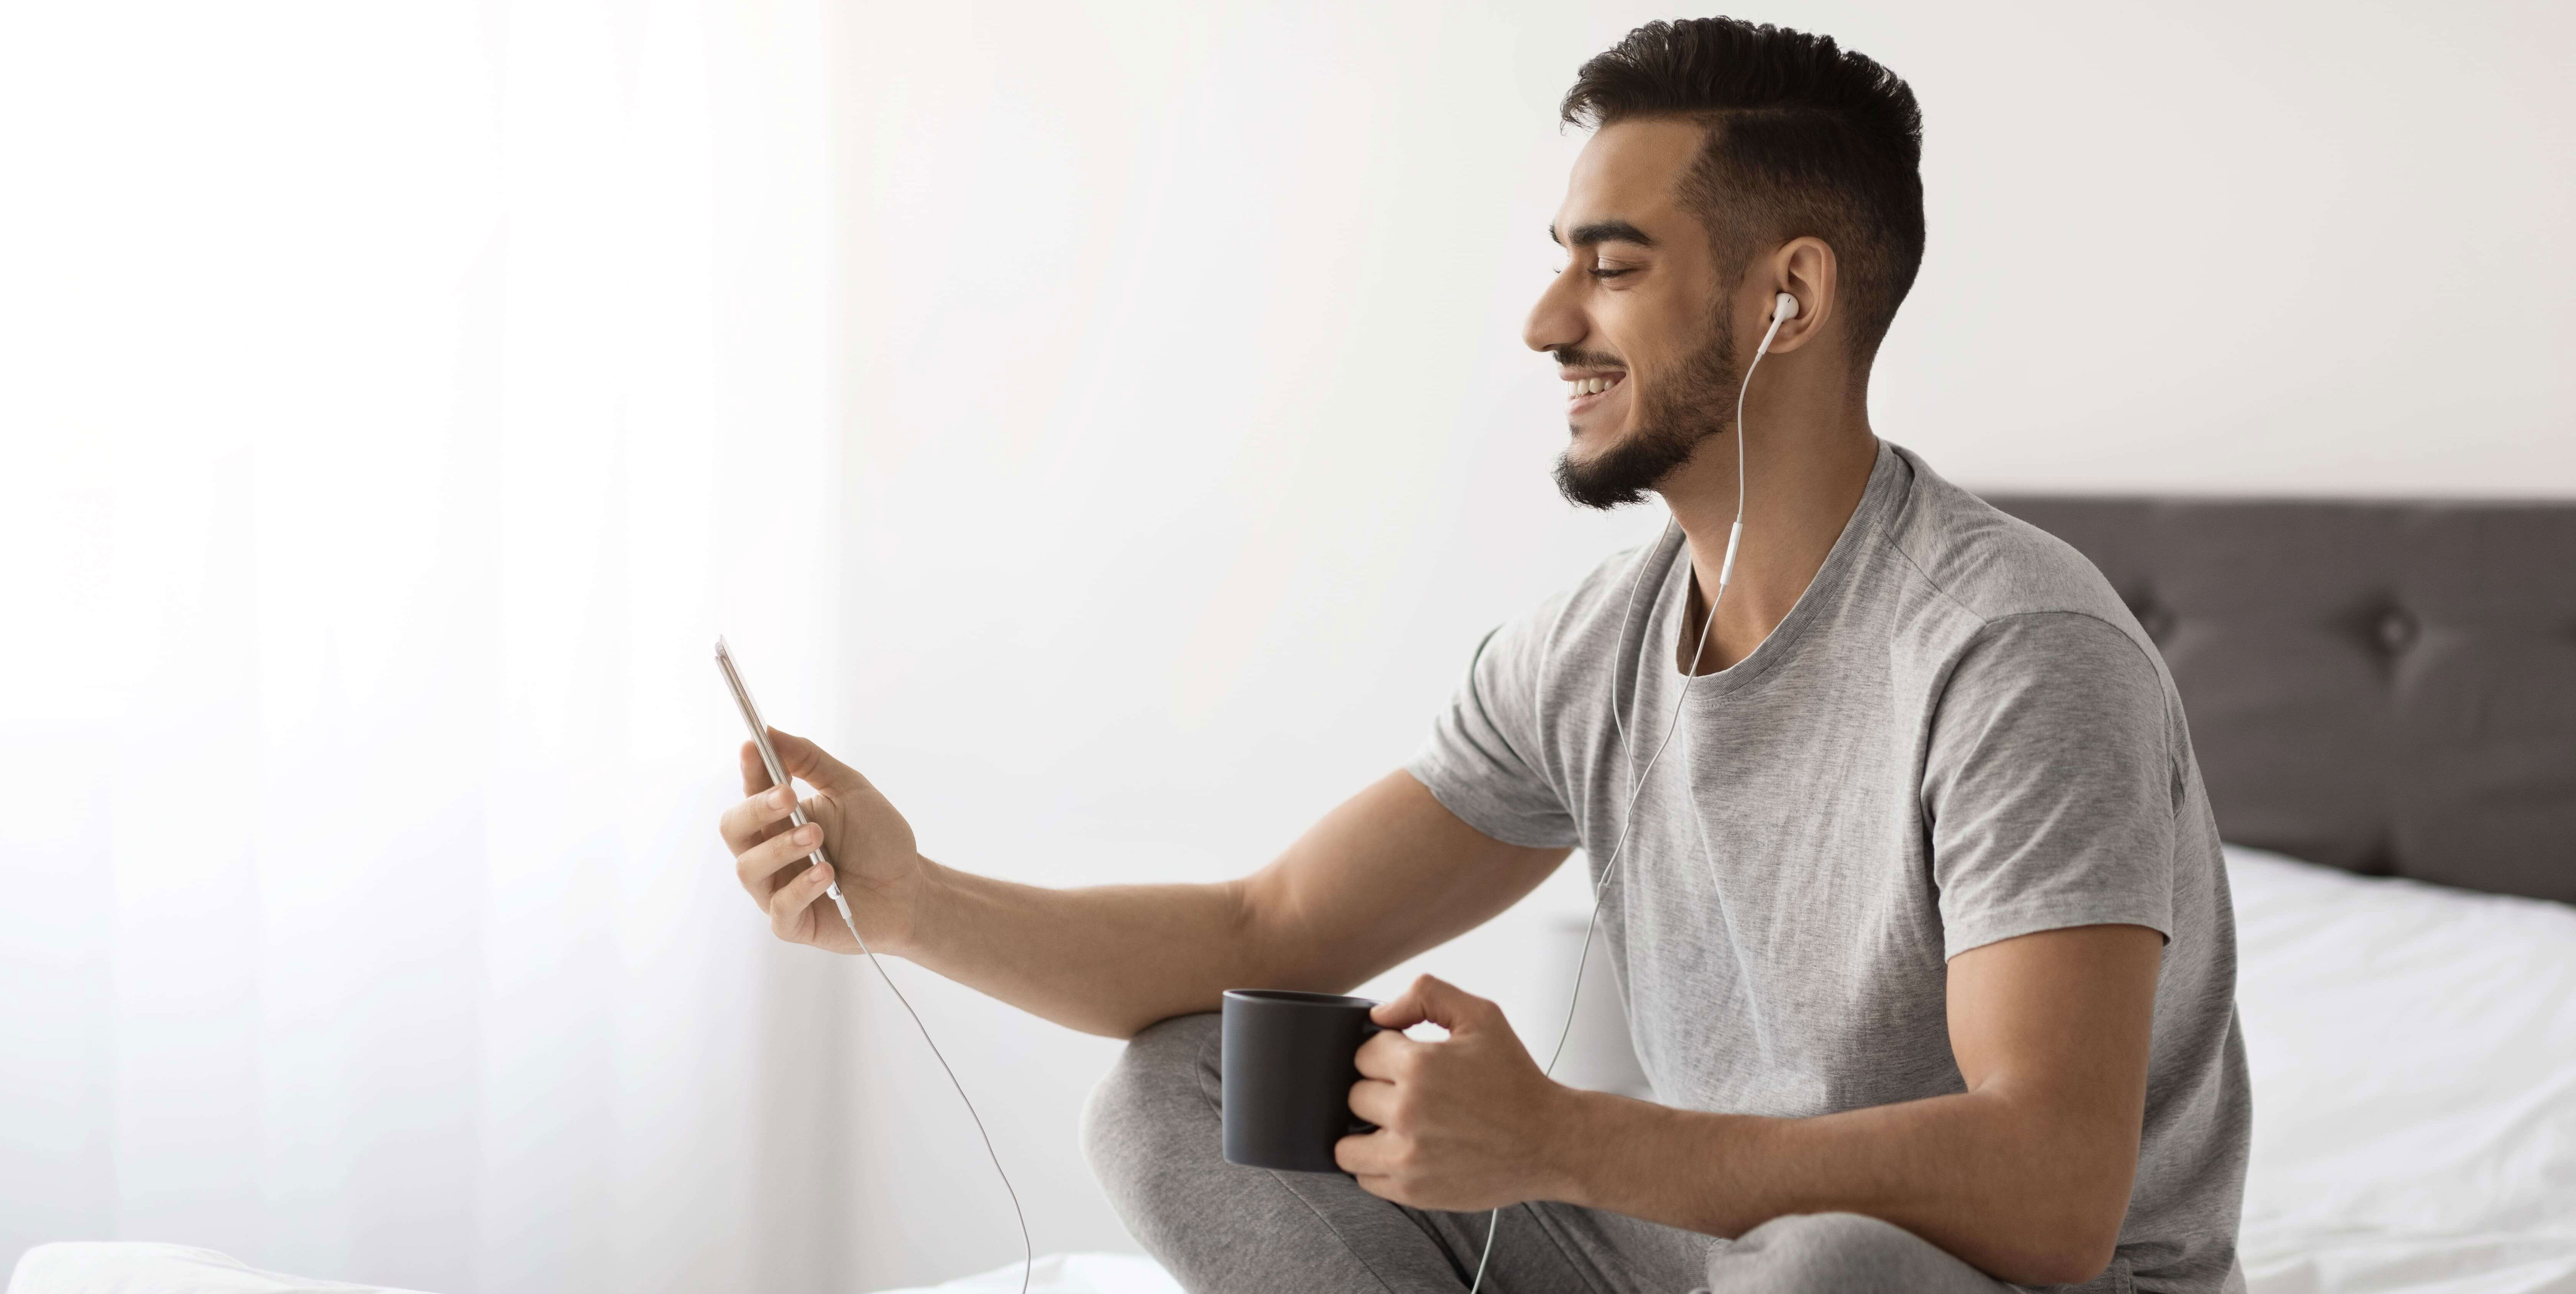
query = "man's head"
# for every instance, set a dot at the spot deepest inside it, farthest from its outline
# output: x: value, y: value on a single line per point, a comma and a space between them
x: 1730, y: 162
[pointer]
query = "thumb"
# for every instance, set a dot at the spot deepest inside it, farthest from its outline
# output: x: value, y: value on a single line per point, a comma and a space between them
x: 806, y: 760
x: 1435, y: 1000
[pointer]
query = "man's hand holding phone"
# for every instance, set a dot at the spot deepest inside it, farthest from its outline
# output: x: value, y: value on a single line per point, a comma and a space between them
x: 788, y: 856
x: 880, y: 870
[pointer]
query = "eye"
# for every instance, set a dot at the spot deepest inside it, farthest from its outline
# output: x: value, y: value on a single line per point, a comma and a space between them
x: 1607, y: 273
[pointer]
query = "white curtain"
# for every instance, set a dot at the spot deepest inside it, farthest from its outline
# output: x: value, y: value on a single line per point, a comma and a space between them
x: 398, y: 400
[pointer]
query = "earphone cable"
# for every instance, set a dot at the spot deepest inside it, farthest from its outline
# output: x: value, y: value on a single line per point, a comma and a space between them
x: 1628, y: 612
x: 1028, y: 1251
x: 1600, y: 889
x: 1628, y: 816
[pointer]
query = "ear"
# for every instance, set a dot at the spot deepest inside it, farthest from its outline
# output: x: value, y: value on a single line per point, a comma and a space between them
x: 1807, y: 269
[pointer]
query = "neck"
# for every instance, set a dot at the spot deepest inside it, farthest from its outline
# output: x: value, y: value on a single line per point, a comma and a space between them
x: 1808, y: 464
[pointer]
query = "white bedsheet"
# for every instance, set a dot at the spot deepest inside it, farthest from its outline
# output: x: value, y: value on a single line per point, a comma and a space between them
x: 2414, y: 1060
x: 133, y: 1267
x: 1067, y: 1274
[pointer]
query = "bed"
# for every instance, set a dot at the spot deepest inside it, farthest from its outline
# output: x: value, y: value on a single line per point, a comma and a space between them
x: 2383, y: 701
x: 2385, y: 692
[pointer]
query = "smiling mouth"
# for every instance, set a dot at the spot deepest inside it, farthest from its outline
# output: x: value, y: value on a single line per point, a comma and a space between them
x: 1584, y: 392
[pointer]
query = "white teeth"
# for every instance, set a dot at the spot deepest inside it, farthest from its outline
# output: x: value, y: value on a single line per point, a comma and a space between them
x: 1589, y: 385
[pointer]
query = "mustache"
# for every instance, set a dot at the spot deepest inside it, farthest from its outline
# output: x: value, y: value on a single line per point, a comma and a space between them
x: 1569, y: 357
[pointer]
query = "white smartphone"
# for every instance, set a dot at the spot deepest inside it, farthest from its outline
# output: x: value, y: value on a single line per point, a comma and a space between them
x: 768, y: 756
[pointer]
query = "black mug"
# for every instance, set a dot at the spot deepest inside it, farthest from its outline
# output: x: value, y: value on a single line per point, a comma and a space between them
x: 1289, y: 1062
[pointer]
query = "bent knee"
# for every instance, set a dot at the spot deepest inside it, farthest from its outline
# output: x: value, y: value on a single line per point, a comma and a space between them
x: 1812, y: 1253
x: 1160, y: 1093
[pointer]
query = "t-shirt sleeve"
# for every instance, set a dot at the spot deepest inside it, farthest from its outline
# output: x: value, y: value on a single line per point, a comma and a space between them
x: 2051, y: 783
x: 1483, y: 759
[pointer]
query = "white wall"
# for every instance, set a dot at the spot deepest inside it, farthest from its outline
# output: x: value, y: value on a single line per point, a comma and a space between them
x: 1191, y: 444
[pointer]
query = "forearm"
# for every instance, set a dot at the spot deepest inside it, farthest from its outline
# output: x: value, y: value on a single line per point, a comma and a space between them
x: 1104, y: 959
x: 2004, y: 1185
x: 1382, y: 877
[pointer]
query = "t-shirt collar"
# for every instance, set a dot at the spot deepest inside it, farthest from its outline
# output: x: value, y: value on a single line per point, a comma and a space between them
x: 1889, y: 479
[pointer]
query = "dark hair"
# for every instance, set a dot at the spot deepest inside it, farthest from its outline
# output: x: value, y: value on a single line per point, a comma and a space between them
x: 1804, y: 138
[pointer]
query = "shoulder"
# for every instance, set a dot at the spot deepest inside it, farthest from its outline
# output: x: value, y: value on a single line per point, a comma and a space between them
x: 2022, y: 614
x: 1992, y: 565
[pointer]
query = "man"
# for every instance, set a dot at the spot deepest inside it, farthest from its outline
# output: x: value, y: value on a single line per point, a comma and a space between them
x: 1919, y: 913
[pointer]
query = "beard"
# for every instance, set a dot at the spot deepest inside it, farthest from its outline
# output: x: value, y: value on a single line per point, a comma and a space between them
x: 1673, y: 420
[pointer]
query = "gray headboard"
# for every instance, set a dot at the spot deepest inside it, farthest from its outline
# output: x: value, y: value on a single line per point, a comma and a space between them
x: 2384, y: 687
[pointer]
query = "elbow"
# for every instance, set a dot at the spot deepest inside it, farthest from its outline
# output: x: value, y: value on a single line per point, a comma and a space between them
x: 2056, y: 1212
x: 2067, y: 1239
x: 2062, y: 1260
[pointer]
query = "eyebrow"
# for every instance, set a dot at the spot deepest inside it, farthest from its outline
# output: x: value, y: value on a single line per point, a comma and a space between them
x: 1603, y: 231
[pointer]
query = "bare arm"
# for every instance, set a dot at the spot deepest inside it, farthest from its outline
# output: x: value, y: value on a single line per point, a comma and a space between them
x: 1387, y: 874
x: 2025, y: 1174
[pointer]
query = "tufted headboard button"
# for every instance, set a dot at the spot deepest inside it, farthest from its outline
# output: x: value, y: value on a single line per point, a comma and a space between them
x: 2151, y: 615
x: 2396, y: 630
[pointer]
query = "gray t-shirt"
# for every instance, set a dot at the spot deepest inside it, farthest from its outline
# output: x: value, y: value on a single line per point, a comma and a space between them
x: 1958, y: 735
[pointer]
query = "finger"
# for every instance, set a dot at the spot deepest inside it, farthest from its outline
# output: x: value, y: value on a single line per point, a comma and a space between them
x: 751, y: 821
x: 763, y: 867
x: 1404, y: 1010
x: 1374, y: 1101
x: 1362, y: 1155
x: 787, y: 907
x: 804, y: 759
x: 1384, y: 1056
x: 1437, y: 1001
x: 755, y: 772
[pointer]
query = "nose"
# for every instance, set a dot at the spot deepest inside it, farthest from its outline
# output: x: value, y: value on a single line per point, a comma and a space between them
x: 1555, y: 322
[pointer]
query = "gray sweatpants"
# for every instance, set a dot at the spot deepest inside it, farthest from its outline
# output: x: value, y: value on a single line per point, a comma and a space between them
x: 1153, y: 1135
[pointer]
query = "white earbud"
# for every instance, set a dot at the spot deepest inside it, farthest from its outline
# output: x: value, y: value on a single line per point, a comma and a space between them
x: 1784, y: 308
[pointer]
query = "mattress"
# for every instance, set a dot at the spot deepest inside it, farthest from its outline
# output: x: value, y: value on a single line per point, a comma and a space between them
x: 2413, y: 1051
